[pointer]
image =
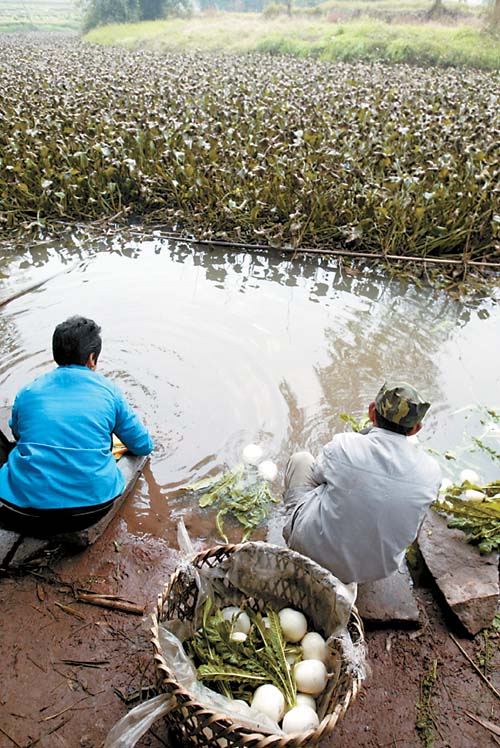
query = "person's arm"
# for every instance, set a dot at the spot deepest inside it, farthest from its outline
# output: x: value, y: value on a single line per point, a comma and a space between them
x: 130, y: 429
x: 13, y: 420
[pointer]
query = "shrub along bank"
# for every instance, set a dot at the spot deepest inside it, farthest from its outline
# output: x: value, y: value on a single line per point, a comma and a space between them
x: 257, y: 149
x: 365, y: 39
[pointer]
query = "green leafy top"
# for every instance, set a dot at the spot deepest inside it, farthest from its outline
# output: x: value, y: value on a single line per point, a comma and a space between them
x: 236, y: 668
x: 479, y: 520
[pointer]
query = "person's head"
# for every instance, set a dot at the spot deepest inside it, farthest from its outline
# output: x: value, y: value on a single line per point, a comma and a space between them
x: 77, y: 340
x: 398, y: 407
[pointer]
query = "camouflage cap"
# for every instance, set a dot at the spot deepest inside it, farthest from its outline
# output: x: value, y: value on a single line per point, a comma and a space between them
x: 400, y: 403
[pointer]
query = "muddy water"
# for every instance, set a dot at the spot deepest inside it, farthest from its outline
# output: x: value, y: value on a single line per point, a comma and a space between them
x: 216, y: 350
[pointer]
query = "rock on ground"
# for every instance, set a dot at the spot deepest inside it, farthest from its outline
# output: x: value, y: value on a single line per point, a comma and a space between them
x: 389, y: 600
x: 468, y: 580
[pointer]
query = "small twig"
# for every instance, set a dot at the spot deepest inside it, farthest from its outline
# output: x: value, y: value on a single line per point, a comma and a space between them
x: 10, y: 737
x: 76, y: 631
x: 71, y: 611
x: 47, y: 612
x: 485, y: 723
x: 36, y: 663
x: 72, y: 706
x: 86, y: 663
x: 478, y: 671
x: 61, y: 724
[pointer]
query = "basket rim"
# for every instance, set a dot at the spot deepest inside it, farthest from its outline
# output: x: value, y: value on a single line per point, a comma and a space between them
x: 329, y: 721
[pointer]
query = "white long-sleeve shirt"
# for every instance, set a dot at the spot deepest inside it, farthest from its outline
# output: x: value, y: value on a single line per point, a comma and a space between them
x: 372, y: 495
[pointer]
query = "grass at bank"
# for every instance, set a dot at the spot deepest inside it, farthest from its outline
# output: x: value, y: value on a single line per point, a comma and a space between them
x: 347, y: 41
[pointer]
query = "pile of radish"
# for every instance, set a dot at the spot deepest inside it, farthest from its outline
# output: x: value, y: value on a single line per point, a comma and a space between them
x: 309, y: 671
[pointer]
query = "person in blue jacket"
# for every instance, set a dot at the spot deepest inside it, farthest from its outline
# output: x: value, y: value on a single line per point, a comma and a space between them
x: 61, y: 474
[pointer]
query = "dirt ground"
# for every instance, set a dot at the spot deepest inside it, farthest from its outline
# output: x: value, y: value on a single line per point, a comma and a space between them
x: 68, y: 668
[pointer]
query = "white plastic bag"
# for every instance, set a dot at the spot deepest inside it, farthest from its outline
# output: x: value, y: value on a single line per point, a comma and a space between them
x: 137, y: 722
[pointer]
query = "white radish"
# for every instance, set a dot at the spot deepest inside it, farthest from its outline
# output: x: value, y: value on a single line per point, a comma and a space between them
x: 469, y: 475
x: 446, y: 483
x: 252, y: 454
x: 311, y: 676
x: 293, y: 624
x: 238, y: 636
x: 305, y: 699
x: 472, y: 495
x: 239, y: 619
x: 269, y: 700
x: 300, y: 719
x: 268, y: 470
x: 314, y: 647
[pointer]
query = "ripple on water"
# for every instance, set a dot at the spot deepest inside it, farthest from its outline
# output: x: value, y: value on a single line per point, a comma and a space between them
x: 217, y: 350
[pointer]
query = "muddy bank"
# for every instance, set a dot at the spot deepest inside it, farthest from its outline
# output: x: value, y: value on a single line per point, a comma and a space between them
x: 68, y: 668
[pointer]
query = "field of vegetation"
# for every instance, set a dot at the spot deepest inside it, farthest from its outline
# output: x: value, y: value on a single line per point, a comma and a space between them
x: 261, y: 149
x: 39, y: 15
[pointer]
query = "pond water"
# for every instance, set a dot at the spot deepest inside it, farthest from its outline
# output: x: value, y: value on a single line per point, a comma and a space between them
x: 217, y: 349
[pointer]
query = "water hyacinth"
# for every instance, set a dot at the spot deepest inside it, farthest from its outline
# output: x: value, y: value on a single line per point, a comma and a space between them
x: 242, y: 492
x: 258, y: 149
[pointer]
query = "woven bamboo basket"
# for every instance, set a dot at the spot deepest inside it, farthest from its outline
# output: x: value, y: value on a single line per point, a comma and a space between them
x: 193, y: 724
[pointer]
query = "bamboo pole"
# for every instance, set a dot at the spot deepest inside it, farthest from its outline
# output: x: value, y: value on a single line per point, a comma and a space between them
x: 112, y: 602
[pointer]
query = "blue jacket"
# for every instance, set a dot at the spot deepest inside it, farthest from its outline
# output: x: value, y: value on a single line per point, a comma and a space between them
x: 63, y: 422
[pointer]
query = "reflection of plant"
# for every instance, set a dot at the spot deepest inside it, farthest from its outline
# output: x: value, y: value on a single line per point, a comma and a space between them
x: 489, y: 419
x: 489, y: 450
x: 237, y: 492
x: 479, y: 520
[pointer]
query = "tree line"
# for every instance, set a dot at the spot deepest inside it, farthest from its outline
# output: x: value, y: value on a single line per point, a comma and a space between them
x: 100, y: 12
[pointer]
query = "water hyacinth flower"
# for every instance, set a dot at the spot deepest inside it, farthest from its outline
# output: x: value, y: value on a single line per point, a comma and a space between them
x: 268, y: 470
x: 252, y: 454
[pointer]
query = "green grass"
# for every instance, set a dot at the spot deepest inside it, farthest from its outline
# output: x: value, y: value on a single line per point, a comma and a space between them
x: 360, y: 39
x: 39, y: 15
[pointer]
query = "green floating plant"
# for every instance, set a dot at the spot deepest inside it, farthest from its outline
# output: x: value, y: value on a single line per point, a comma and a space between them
x: 356, y: 424
x: 478, y: 519
x: 236, y: 492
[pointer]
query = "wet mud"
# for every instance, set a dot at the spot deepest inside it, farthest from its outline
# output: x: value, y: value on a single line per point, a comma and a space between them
x: 70, y: 670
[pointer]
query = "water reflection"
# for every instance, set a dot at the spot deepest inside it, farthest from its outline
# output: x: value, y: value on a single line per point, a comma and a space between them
x: 217, y: 349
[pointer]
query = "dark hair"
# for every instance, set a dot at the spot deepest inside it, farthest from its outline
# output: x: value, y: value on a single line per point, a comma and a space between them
x: 74, y: 340
x: 383, y: 423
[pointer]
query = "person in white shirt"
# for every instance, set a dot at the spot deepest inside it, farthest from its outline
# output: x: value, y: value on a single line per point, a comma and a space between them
x: 359, y: 505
